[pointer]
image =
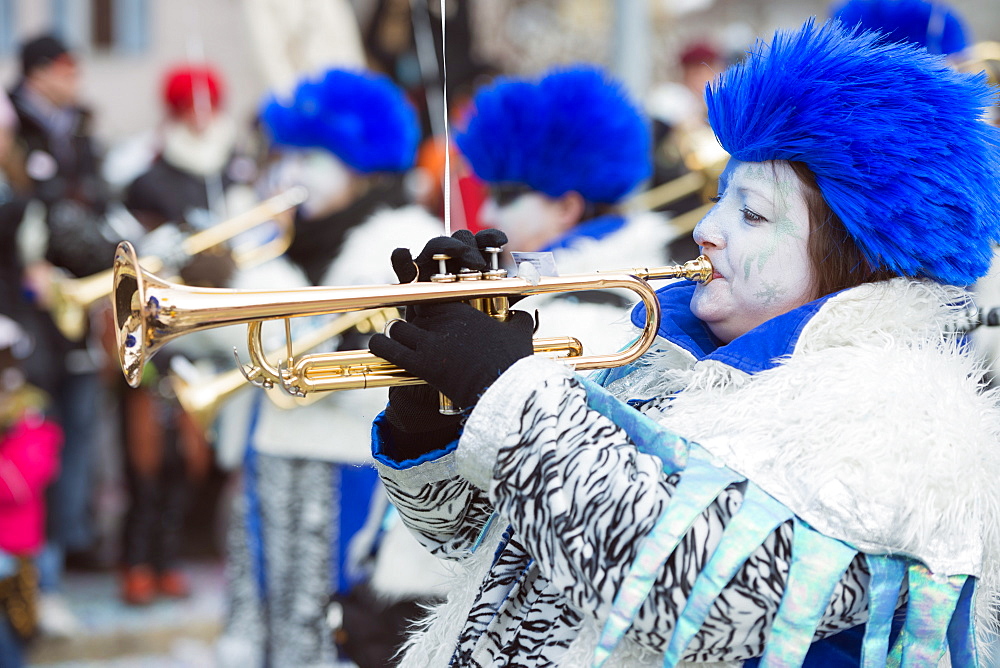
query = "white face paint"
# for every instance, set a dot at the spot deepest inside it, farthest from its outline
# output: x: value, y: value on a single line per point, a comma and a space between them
x: 325, y: 177
x: 529, y: 220
x: 756, y: 237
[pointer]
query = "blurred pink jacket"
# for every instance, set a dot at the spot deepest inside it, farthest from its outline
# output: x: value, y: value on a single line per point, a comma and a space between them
x: 29, y: 459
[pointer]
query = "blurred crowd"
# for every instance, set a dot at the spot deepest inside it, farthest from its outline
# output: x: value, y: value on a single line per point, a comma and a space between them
x: 97, y: 474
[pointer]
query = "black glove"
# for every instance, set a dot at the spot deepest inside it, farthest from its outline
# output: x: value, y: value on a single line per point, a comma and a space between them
x: 455, y: 348
x: 465, y: 250
x: 413, y: 409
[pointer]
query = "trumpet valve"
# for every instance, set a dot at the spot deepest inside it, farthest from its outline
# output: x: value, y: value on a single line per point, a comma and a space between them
x: 494, y: 272
x: 443, y: 275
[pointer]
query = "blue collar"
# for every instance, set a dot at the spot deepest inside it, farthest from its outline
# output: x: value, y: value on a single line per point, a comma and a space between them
x: 595, y: 228
x: 758, y: 350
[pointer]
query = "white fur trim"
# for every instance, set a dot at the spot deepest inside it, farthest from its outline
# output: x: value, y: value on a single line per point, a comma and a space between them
x: 435, y: 637
x: 364, y: 257
x: 641, y: 242
x: 202, y: 154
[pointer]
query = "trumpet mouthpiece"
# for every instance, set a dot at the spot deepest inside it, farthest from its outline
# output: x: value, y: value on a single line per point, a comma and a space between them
x: 699, y: 269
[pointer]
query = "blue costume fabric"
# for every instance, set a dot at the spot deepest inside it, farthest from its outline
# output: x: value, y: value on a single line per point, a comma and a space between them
x: 595, y: 228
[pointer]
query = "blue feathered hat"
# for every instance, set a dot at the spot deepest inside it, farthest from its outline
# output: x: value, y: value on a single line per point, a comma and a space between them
x: 572, y: 130
x: 361, y: 117
x: 894, y: 136
x: 932, y: 25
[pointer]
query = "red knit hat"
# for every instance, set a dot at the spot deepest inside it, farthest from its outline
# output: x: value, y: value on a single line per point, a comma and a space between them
x: 182, y: 85
x: 699, y: 53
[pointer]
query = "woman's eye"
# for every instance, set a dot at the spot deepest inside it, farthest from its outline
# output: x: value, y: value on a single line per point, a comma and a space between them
x: 752, y: 217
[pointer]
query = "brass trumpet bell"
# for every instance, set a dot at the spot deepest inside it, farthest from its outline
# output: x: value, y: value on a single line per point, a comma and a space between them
x: 149, y: 311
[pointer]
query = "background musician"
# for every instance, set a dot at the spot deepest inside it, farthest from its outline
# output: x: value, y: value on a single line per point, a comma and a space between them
x: 558, y: 153
x: 166, y: 454
x: 69, y: 230
x: 350, y: 137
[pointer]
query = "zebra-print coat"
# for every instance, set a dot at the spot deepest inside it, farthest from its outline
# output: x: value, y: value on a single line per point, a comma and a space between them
x: 571, y: 498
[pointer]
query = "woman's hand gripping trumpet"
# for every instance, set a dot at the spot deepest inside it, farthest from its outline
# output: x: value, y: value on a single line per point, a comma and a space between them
x: 456, y: 348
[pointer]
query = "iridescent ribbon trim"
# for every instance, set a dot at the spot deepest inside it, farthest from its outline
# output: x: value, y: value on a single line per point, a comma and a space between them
x: 887, y: 575
x: 759, y: 515
x: 818, y: 562
x: 700, y: 485
x: 932, y: 603
x: 649, y: 437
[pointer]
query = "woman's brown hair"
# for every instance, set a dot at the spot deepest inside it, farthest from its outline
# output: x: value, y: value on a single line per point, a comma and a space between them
x: 838, y: 260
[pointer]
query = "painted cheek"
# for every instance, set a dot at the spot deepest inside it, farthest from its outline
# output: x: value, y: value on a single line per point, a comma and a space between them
x: 775, y: 284
x: 522, y: 220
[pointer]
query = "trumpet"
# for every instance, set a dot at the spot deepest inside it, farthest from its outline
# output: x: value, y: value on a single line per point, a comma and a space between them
x: 150, y: 311
x: 202, y: 398
x: 72, y: 298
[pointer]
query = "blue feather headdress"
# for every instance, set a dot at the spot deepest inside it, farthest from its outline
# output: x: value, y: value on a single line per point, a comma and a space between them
x: 932, y: 25
x: 362, y: 118
x: 572, y: 130
x: 894, y: 136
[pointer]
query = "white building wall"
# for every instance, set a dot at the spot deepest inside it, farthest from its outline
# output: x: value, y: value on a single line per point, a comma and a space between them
x: 124, y: 90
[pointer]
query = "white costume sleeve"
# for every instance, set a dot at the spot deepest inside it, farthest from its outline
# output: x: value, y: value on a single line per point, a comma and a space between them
x: 445, y: 512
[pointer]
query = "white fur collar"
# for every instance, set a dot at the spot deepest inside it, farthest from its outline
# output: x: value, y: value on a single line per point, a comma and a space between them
x: 364, y: 257
x: 641, y: 242
x: 200, y: 154
x: 874, y: 353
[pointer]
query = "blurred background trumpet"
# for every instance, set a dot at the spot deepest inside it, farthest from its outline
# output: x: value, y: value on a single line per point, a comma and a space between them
x: 71, y: 299
x: 202, y: 395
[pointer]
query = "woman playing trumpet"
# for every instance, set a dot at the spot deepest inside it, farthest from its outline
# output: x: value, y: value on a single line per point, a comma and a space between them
x: 811, y: 438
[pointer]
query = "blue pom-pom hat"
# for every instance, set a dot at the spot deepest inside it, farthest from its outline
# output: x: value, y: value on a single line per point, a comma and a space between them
x: 895, y: 138
x: 574, y: 129
x: 932, y: 25
x: 363, y: 118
